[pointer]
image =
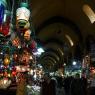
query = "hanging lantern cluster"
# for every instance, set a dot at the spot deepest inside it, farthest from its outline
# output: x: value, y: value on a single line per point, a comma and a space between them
x: 6, y: 66
x: 7, y: 69
x: 22, y: 39
x: 19, y: 56
x: 5, y: 61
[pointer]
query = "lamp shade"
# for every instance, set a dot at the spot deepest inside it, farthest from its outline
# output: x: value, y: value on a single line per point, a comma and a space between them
x: 2, y: 8
x: 22, y: 17
x: 3, y: 5
x: 5, y: 24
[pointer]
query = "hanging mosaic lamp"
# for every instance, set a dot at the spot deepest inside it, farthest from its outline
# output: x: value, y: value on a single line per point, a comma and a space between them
x: 6, y: 60
x: 6, y: 23
x: 22, y: 16
x: 2, y: 9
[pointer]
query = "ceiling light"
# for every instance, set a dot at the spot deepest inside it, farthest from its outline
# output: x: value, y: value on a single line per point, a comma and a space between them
x: 89, y: 12
x: 70, y: 40
x: 74, y: 62
x: 40, y: 50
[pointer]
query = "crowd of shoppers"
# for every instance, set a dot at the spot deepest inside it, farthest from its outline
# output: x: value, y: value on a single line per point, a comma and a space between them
x: 70, y: 85
x: 57, y: 85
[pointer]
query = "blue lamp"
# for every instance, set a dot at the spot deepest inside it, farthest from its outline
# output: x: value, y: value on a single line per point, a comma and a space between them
x: 3, y: 5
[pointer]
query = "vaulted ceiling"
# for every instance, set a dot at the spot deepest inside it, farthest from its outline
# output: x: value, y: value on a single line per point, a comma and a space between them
x: 62, y: 28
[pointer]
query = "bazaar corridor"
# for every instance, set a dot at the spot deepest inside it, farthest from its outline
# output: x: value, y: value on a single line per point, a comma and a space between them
x: 47, y: 47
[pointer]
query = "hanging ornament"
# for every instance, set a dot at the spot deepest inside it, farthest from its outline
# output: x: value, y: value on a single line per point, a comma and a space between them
x: 25, y: 57
x: 15, y: 57
x: 22, y: 16
x: 16, y: 42
x: 13, y: 73
x: 33, y: 46
x: 2, y: 8
x: 27, y: 35
x: 5, y: 30
x: 5, y: 74
x: 6, y: 59
x: 22, y: 68
x: 4, y: 19
x: 4, y: 83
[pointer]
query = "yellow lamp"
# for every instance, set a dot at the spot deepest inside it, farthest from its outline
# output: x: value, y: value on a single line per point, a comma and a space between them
x: 6, y: 60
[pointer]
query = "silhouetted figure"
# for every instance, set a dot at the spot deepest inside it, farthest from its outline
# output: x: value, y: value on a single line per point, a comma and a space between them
x: 84, y: 85
x: 92, y: 86
x: 48, y: 86
x: 77, y: 86
x: 52, y: 87
x: 67, y: 83
x: 59, y: 86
